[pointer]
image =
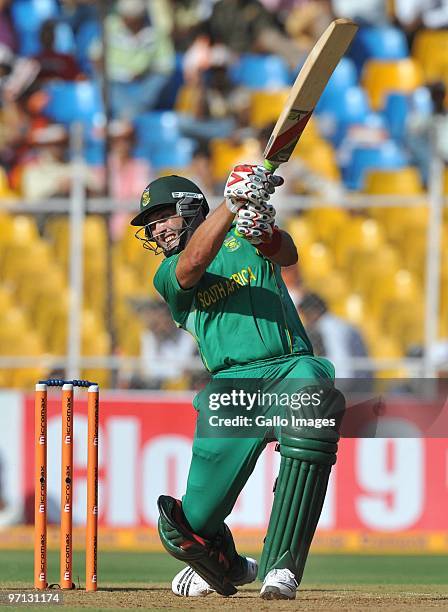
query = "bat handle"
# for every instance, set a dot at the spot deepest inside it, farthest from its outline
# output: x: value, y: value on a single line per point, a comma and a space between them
x: 271, y: 166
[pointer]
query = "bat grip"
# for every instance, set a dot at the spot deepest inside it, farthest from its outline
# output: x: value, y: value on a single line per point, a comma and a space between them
x: 271, y: 166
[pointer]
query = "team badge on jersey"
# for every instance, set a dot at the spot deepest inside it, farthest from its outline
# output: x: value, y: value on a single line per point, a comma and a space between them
x: 232, y: 243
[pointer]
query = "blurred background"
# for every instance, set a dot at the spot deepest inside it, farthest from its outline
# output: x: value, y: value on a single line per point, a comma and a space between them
x: 99, y: 98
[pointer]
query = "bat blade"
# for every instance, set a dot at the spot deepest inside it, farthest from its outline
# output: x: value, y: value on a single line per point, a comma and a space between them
x: 307, y: 89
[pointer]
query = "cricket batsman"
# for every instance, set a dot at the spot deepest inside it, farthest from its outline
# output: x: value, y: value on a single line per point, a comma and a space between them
x: 222, y: 282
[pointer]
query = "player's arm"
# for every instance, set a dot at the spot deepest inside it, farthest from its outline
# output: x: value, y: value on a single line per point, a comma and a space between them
x: 203, y: 246
x: 247, y: 183
x: 281, y: 250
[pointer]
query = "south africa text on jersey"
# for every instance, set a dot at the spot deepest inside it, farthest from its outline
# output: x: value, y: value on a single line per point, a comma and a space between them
x: 224, y: 288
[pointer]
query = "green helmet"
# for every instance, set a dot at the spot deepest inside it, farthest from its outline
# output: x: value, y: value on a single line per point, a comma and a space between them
x: 179, y: 192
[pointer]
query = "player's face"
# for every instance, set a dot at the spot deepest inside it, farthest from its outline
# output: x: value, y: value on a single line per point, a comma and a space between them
x: 165, y: 227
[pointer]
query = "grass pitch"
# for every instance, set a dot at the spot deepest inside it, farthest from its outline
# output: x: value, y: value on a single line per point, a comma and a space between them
x: 336, y: 582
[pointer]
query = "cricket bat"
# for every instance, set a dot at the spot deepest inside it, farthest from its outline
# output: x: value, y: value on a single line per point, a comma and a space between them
x: 306, y: 91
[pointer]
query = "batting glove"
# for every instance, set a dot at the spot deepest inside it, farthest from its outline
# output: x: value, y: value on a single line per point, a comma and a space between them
x: 255, y: 222
x: 249, y: 183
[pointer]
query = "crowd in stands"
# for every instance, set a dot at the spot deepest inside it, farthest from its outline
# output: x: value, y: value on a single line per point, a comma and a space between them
x: 195, y: 85
x: 195, y: 73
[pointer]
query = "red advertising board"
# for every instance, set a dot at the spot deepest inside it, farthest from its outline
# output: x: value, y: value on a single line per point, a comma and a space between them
x: 385, y: 485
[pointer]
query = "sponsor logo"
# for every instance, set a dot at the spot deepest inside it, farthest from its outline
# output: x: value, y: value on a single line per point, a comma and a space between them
x: 232, y: 243
x: 187, y: 194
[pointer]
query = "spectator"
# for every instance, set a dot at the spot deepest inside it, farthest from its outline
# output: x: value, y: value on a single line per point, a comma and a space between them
x: 7, y: 33
x: 367, y: 12
x: 55, y: 65
x: 413, y: 15
x: 140, y: 57
x: 48, y: 174
x: 187, y: 17
x: 126, y: 173
x: 79, y: 12
x: 244, y: 26
x: 427, y: 135
x: 341, y: 340
x: 166, y: 352
x: 306, y: 21
x: 216, y: 107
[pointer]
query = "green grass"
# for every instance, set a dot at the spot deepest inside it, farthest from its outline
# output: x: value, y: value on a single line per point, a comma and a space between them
x: 16, y: 567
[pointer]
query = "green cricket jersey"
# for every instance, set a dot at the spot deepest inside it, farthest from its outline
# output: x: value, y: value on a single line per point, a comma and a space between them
x: 239, y: 312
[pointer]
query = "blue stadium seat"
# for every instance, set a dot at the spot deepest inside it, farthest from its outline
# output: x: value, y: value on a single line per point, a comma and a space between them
x: 28, y: 16
x: 387, y: 156
x: 381, y: 42
x: 337, y: 113
x: 156, y: 128
x: 399, y: 105
x: 73, y: 101
x: 87, y: 33
x: 177, y: 155
x: 169, y: 92
x: 261, y: 72
x: 343, y: 78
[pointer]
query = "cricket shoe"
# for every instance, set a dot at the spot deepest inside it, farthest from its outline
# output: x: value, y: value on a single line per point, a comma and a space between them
x: 188, y: 583
x: 279, y: 584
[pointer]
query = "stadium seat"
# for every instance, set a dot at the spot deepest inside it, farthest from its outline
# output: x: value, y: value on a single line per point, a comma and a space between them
x: 342, y: 79
x: 327, y: 223
x: 386, y: 156
x: 379, y: 42
x: 430, y: 49
x: 301, y: 231
x: 155, y: 129
x: 406, y: 181
x: 168, y: 94
x: 225, y: 155
x: 383, y: 77
x: 176, y: 156
x: 87, y: 33
x: 360, y: 235
x: 399, y: 105
x: 261, y: 72
x: 333, y: 288
x: 266, y: 106
x: 337, y: 114
x: 316, y: 262
x: 70, y: 102
x: 27, y: 17
x: 321, y: 159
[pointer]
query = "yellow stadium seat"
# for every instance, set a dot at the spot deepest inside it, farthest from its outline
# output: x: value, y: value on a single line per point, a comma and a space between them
x: 187, y: 99
x: 381, y: 77
x: 352, y: 308
x: 226, y: 154
x: 266, y: 106
x: 315, y: 262
x: 430, y: 49
x: 320, y: 158
x: 301, y: 232
x: 327, y: 223
x: 360, y: 235
x: 406, y: 181
x: 332, y: 288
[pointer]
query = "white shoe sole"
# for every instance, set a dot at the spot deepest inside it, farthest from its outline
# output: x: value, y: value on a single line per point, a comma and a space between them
x: 273, y: 592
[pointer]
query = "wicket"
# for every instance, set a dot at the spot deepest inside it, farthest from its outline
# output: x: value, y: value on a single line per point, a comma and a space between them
x: 40, y: 484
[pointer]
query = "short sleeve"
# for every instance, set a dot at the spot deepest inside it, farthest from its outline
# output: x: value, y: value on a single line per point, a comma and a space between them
x: 179, y: 300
